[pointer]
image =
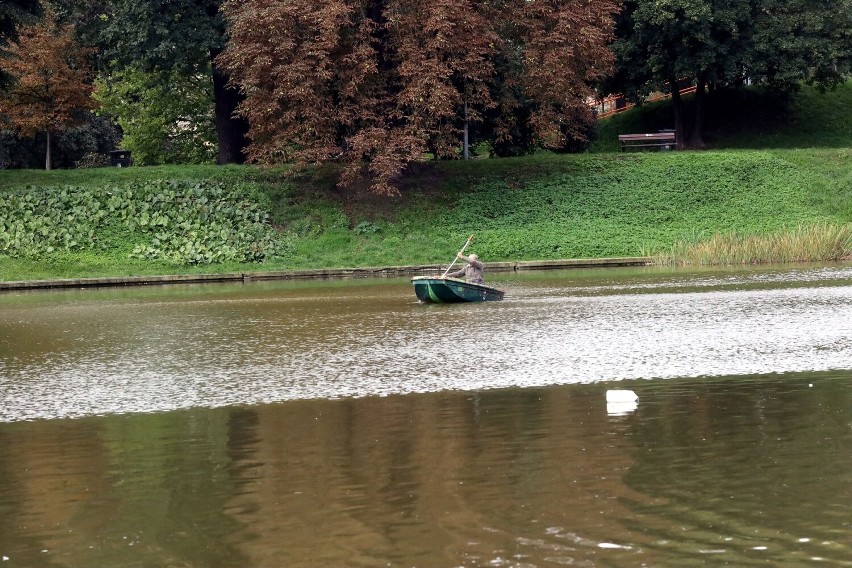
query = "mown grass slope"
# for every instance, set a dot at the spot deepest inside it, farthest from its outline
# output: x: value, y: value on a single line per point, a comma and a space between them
x: 795, y: 171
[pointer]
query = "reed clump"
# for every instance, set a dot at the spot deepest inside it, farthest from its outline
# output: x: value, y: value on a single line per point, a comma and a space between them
x: 818, y: 242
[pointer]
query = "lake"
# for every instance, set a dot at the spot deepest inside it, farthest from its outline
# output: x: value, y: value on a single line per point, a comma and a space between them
x: 342, y: 423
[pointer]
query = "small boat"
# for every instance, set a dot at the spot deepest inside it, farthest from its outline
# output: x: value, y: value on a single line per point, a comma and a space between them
x: 442, y: 290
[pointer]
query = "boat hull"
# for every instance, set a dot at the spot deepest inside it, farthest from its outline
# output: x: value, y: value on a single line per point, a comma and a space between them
x: 452, y: 290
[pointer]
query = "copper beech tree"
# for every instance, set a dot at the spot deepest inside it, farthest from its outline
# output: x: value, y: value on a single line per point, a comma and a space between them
x: 51, y: 80
x: 381, y: 83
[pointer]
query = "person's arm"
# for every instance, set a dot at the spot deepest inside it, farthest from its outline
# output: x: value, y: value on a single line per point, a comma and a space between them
x: 456, y: 273
x: 474, y: 261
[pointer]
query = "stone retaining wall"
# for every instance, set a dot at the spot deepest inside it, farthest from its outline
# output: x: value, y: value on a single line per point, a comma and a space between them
x: 322, y: 273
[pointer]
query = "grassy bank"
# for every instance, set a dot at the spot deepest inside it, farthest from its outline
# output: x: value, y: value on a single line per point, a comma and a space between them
x: 538, y: 207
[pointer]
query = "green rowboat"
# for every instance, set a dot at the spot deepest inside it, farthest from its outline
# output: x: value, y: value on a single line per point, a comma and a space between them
x: 437, y: 290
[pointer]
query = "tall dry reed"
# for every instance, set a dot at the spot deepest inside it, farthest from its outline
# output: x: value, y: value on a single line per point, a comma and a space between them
x: 804, y: 243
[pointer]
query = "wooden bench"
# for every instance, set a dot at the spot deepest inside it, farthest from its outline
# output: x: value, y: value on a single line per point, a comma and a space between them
x: 664, y: 140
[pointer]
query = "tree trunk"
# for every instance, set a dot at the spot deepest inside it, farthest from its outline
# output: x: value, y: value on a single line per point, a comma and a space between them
x: 47, y: 153
x: 466, y: 152
x: 677, y: 105
x: 697, y: 138
x: 231, y: 130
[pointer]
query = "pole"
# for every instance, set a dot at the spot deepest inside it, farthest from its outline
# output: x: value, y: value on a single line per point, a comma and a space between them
x: 470, y: 238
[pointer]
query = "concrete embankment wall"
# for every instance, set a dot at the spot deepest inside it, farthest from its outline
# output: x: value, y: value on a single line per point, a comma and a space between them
x: 319, y: 274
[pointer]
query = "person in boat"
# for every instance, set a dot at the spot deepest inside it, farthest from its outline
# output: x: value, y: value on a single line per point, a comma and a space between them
x: 473, y: 272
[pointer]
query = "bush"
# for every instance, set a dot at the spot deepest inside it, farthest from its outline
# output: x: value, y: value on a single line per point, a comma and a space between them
x: 96, y: 135
x: 93, y: 160
x: 178, y: 222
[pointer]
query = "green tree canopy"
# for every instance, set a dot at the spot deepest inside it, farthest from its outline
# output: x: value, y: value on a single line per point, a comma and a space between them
x: 167, y: 118
x: 661, y: 43
x: 173, y: 36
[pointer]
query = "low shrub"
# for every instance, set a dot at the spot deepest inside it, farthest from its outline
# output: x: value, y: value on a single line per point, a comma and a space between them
x: 181, y: 222
x: 93, y: 160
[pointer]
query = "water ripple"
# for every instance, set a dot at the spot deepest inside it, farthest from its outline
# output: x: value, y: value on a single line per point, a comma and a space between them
x: 68, y: 359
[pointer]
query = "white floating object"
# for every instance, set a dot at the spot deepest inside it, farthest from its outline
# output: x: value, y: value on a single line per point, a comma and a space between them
x: 620, y: 402
x: 620, y: 408
x: 621, y: 396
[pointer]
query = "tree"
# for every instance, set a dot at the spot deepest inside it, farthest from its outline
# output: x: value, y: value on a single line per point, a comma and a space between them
x: 167, y: 118
x: 168, y: 36
x: 661, y: 44
x: 51, y: 80
x: 379, y: 83
x: 816, y: 45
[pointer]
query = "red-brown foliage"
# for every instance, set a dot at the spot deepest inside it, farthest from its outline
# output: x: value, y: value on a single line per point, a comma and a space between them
x: 382, y: 82
x: 52, y: 78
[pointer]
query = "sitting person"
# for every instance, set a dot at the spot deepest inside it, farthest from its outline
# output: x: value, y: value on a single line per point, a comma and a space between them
x: 473, y: 272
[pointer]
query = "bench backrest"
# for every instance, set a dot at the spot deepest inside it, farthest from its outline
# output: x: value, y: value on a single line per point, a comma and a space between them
x: 650, y: 136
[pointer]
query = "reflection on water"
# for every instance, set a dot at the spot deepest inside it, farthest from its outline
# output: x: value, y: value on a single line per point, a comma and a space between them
x: 734, y: 471
x: 344, y: 424
x: 98, y: 352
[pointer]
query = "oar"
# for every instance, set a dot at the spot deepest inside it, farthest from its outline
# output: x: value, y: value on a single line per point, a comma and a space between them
x: 470, y: 238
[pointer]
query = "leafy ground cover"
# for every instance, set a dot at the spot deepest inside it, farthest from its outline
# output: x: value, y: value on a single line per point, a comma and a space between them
x: 599, y: 204
x: 179, y: 222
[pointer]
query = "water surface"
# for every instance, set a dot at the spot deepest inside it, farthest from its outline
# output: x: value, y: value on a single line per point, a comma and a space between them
x: 344, y: 424
x: 70, y: 354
